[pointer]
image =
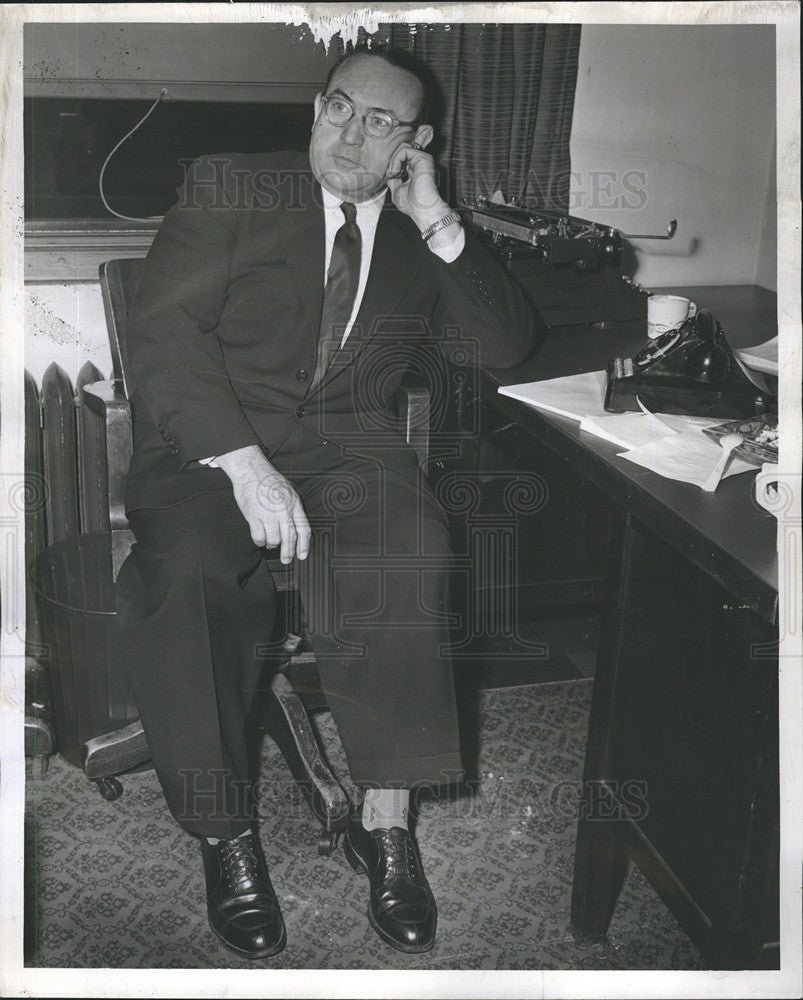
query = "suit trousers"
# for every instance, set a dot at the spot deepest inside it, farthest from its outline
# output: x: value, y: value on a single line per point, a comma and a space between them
x: 196, y: 606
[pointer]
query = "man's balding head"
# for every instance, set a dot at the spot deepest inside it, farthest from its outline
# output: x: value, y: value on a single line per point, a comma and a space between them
x: 402, y: 60
x: 346, y: 160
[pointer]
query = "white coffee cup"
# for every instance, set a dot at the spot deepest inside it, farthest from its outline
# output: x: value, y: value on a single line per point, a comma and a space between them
x: 667, y: 312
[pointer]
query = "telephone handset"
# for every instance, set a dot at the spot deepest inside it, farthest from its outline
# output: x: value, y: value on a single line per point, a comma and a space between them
x: 709, y: 361
x: 690, y: 370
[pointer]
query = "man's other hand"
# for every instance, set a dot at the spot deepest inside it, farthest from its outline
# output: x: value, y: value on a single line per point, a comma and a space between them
x: 268, y: 502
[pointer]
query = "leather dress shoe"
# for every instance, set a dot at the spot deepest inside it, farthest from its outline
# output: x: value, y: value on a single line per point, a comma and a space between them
x: 242, y: 906
x: 401, y: 906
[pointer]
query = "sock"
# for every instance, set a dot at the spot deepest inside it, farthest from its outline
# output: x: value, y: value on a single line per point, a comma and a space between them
x: 216, y: 840
x: 385, y: 807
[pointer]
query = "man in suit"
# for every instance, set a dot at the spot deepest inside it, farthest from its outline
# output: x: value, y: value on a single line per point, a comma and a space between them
x: 277, y: 313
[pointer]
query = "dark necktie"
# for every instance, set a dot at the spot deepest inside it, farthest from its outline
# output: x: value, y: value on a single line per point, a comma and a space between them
x: 342, y: 280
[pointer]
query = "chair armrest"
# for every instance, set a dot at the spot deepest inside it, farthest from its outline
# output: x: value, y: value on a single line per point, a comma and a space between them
x: 109, y: 402
x: 412, y: 406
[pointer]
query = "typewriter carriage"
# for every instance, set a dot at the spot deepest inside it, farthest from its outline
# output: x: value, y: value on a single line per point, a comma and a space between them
x: 570, y: 267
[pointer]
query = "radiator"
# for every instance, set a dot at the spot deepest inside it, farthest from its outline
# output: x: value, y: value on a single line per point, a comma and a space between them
x: 65, y: 495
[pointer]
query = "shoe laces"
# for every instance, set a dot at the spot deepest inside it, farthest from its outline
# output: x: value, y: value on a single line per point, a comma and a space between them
x: 396, y: 852
x: 239, y: 861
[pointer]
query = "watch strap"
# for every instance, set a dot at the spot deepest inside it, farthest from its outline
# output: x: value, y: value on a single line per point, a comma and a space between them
x: 442, y: 223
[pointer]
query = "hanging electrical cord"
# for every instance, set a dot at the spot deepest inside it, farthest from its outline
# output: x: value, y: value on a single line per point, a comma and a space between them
x: 107, y: 206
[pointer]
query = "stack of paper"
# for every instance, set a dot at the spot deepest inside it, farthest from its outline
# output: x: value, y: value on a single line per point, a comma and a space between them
x: 671, y: 445
x: 689, y: 457
x: 632, y: 430
x: 762, y: 357
x: 582, y: 397
x: 574, y: 396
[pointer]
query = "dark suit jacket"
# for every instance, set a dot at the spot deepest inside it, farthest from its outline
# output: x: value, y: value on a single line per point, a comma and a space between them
x: 224, y: 327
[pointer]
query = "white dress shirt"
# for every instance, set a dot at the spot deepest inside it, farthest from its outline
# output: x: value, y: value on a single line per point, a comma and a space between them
x: 368, y: 213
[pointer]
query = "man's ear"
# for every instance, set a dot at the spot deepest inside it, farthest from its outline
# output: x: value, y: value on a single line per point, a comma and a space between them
x: 424, y: 135
x: 318, y: 104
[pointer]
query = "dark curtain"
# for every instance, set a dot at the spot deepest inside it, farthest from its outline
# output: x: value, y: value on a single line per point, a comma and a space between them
x: 508, y: 97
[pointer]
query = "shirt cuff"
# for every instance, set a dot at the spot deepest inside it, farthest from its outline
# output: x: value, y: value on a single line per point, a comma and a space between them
x: 210, y: 462
x: 452, y: 250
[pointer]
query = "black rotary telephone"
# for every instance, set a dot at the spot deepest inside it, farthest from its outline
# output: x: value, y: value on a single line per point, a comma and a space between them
x: 690, y: 370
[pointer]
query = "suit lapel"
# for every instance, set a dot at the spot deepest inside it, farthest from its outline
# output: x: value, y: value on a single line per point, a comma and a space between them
x: 303, y: 234
x: 395, y: 263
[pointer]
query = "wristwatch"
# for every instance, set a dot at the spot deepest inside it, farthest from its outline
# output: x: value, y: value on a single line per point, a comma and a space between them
x: 442, y: 223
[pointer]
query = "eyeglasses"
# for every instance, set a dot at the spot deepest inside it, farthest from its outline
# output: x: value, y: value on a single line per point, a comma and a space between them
x: 375, y: 122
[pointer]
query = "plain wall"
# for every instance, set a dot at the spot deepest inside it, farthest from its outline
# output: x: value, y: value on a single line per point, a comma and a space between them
x: 678, y: 121
x: 64, y: 322
x: 216, y: 62
x: 768, y: 251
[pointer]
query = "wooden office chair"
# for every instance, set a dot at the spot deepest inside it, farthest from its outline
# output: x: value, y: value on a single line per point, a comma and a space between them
x: 295, y: 689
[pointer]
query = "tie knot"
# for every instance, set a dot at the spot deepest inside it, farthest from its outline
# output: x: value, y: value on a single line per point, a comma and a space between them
x: 350, y: 211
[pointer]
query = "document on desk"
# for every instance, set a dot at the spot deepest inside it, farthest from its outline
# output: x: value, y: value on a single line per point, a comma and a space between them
x: 670, y: 445
x: 582, y: 398
x: 688, y: 457
x: 762, y: 357
x: 574, y: 396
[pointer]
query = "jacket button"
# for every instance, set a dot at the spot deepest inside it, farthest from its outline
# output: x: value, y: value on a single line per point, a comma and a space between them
x: 302, y: 375
x: 300, y: 411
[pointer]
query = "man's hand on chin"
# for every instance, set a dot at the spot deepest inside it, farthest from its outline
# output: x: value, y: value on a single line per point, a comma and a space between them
x: 417, y: 196
x: 268, y: 502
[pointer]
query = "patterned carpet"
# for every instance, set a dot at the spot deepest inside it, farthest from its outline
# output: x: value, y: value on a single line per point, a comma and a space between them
x: 119, y: 885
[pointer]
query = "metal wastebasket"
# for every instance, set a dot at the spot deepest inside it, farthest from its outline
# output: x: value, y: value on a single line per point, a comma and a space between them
x: 74, y: 589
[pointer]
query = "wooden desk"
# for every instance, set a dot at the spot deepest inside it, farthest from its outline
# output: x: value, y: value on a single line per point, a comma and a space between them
x: 681, y: 772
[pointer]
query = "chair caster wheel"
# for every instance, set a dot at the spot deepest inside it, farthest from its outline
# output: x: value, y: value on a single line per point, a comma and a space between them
x: 109, y: 788
x: 327, y: 844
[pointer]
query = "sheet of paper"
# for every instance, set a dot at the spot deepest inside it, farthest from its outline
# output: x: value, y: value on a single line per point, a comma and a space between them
x: 669, y: 444
x: 628, y: 430
x: 680, y: 422
x: 632, y: 430
x: 762, y: 357
x: 755, y: 377
x: 583, y: 396
x: 689, y: 457
x: 575, y: 396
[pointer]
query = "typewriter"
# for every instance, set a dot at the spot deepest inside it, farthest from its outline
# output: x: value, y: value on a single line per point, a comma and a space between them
x: 570, y: 267
x: 690, y: 370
